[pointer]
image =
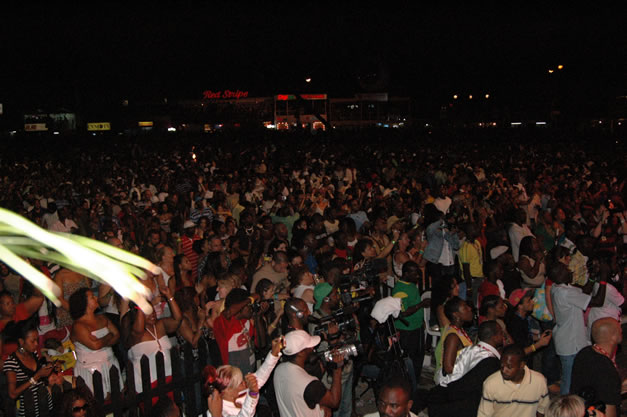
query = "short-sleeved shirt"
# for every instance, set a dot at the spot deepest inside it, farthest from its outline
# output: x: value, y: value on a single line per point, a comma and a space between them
x: 233, y: 336
x: 298, y: 394
x: 23, y: 374
x: 410, y: 296
x: 471, y: 253
x: 569, y: 304
x: 503, y: 398
x: 592, y: 369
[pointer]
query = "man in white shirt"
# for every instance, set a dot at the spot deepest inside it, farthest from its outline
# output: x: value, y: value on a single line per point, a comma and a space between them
x: 569, y: 303
x: 611, y: 306
x: 64, y: 224
x: 517, y: 230
x: 298, y: 393
x: 515, y: 390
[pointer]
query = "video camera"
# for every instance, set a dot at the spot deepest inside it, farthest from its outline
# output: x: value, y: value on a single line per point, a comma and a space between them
x: 365, y: 277
x: 256, y: 306
x: 347, y: 351
x: 343, y: 317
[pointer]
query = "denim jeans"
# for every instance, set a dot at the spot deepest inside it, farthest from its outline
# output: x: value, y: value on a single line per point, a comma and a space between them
x: 567, y: 371
x: 346, y: 404
x: 550, y: 361
x: 462, y: 290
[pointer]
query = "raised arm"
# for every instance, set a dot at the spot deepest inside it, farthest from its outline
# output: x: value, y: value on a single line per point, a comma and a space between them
x: 171, y: 323
x: 32, y: 304
x: 266, y: 368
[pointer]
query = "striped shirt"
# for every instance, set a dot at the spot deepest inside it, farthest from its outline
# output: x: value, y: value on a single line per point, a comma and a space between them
x: 196, y: 214
x: 190, y: 254
x: 22, y: 375
x: 503, y: 398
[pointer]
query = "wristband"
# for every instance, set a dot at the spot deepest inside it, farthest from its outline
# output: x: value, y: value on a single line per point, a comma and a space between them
x: 394, y: 242
x: 421, y: 252
x: 32, y: 381
x: 171, y: 298
x: 253, y: 393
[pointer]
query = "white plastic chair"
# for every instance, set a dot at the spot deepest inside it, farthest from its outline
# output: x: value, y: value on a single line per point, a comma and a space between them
x: 434, y: 330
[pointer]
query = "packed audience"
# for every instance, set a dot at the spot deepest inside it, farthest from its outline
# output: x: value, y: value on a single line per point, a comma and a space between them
x: 306, y: 263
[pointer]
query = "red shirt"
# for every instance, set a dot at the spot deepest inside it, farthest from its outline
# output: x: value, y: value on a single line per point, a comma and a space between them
x: 224, y: 330
x: 20, y: 314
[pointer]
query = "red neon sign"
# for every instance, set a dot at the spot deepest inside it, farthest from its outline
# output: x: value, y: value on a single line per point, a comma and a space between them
x: 226, y: 94
x: 285, y: 97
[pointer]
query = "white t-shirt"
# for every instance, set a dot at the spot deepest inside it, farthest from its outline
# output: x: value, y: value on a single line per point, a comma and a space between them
x: 65, y: 226
x: 570, y: 333
x: 516, y: 234
x: 290, y: 381
x: 610, y: 308
x: 298, y: 292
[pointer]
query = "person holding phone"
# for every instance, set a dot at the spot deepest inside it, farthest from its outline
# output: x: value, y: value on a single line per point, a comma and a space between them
x: 25, y: 371
x: 522, y: 303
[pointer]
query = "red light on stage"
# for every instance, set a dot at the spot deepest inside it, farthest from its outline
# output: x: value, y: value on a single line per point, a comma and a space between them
x: 282, y: 97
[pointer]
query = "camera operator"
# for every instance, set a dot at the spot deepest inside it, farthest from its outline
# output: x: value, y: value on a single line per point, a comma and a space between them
x: 411, y: 318
x: 295, y: 316
x: 327, y: 304
x: 298, y: 393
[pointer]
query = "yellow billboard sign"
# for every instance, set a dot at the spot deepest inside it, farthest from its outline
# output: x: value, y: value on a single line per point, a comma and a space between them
x: 145, y: 124
x: 98, y: 126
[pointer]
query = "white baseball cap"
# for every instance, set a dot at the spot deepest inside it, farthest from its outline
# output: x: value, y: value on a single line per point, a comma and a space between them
x: 298, y: 340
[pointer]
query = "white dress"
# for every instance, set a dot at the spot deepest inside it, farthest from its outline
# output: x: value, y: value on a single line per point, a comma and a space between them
x: 101, y: 360
x: 150, y: 348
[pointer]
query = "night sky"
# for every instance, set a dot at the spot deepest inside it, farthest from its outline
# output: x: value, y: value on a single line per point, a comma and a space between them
x: 61, y: 56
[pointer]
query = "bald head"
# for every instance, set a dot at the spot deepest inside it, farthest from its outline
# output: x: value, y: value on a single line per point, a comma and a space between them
x: 606, y: 331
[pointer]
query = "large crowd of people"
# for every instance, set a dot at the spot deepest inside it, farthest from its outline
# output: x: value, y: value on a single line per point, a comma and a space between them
x: 304, y: 263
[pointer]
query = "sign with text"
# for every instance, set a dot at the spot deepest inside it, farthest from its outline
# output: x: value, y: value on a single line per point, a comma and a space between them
x: 286, y: 97
x: 98, y: 126
x: 224, y: 95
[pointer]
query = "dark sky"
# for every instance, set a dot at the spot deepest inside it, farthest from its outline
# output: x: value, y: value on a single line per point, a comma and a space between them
x: 60, y: 55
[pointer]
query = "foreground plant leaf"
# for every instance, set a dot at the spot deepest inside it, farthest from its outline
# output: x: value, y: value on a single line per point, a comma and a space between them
x: 98, y: 260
